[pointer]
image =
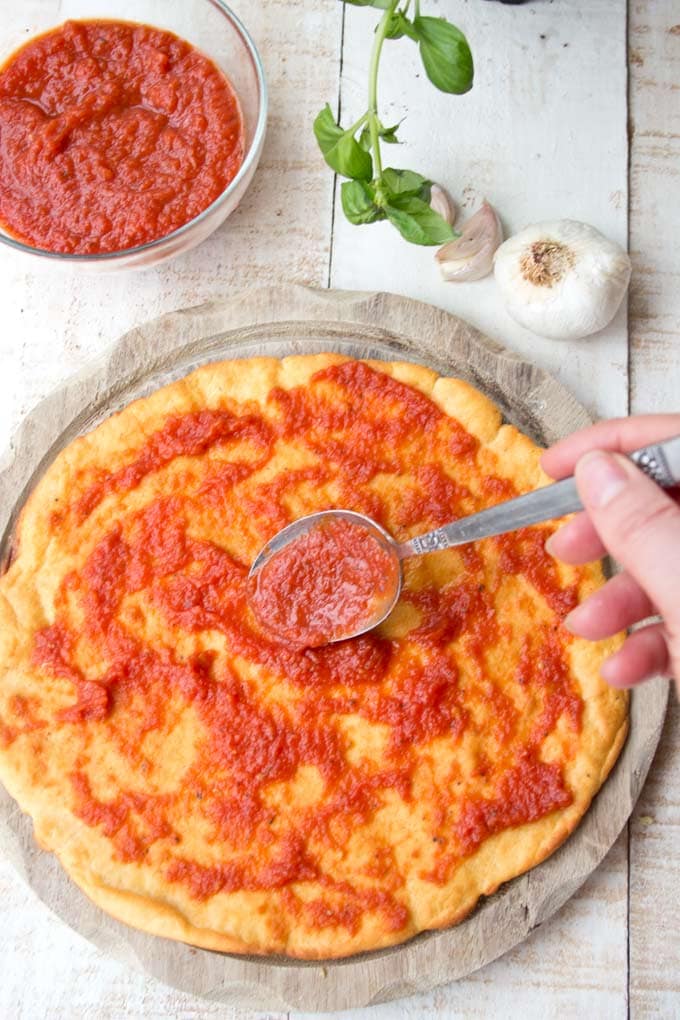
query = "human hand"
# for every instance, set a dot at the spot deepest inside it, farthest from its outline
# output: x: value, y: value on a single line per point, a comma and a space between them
x: 630, y: 517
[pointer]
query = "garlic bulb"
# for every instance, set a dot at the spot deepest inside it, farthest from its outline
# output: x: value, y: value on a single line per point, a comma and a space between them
x: 441, y: 202
x: 562, y: 279
x: 470, y: 256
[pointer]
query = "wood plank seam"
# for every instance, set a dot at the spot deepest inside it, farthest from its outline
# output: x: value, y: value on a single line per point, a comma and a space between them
x: 629, y: 85
x: 654, y: 124
x: 335, y: 176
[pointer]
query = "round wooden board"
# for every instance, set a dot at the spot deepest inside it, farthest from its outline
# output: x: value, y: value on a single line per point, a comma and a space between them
x: 280, y: 320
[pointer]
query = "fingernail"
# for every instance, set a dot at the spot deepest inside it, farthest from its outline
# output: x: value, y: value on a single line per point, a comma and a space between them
x: 600, y: 477
x: 550, y: 546
x: 610, y: 673
x: 571, y: 619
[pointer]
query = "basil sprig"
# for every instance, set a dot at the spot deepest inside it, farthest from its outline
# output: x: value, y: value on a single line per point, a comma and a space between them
x: 372, y: 193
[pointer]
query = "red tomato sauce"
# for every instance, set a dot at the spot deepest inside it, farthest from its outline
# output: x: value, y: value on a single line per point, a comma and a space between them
x: 412, y: 684
x: 112, y: 134
x: 328, y: 583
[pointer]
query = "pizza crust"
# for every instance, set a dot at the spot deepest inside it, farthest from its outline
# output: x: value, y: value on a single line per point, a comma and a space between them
x: 35, y: 763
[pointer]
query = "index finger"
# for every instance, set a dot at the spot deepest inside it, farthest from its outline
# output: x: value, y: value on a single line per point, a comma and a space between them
x: 622, y: 435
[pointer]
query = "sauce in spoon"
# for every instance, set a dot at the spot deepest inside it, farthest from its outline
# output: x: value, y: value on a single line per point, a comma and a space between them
x: 331, y: 582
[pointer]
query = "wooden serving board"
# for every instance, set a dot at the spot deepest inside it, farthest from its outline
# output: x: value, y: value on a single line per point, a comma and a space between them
x: 280, y: 320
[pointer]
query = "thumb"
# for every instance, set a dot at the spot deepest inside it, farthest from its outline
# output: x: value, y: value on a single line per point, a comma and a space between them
x: 638, y: 523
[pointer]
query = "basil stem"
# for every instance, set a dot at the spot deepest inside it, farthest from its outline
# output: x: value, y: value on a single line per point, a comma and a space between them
x: 373, y: 123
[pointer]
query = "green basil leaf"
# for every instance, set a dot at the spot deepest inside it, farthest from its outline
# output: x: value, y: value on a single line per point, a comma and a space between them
x: 365, y: 138
x: 405, y: 182
x: 417, y: 221
x: 340, y: 149
x: 389, y: 134
x: 358, y: 202
x: 445, y: 54
x: 400, y: 25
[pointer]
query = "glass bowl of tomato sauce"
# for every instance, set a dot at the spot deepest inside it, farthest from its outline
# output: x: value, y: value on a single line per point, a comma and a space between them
x: 128, y: 131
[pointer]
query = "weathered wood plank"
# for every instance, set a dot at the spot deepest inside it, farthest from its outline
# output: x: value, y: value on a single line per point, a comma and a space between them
x: 655, y: 361
x: 542, y: 135
x: 654, y: 196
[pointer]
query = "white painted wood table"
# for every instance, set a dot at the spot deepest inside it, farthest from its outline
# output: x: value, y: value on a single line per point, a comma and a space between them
x: 543, y: 134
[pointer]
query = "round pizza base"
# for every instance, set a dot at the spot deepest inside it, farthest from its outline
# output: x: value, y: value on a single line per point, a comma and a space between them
x: 276, y: 322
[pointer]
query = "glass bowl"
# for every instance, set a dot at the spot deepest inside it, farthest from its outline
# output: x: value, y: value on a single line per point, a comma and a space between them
x: 215, y: 30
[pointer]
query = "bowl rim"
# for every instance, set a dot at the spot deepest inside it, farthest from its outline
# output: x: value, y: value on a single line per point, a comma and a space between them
x: 250, y: 158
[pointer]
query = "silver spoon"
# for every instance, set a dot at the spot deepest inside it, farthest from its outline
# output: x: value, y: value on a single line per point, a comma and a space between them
x: 660, y: 461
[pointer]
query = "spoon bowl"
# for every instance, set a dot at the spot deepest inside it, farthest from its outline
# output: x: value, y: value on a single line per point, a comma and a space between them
x: 304, y: 525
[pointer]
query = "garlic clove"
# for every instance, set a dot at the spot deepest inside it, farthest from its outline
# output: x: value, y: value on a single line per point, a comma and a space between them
x: 562, y: 279
x: 470, y: 256
x: 442, y: 203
